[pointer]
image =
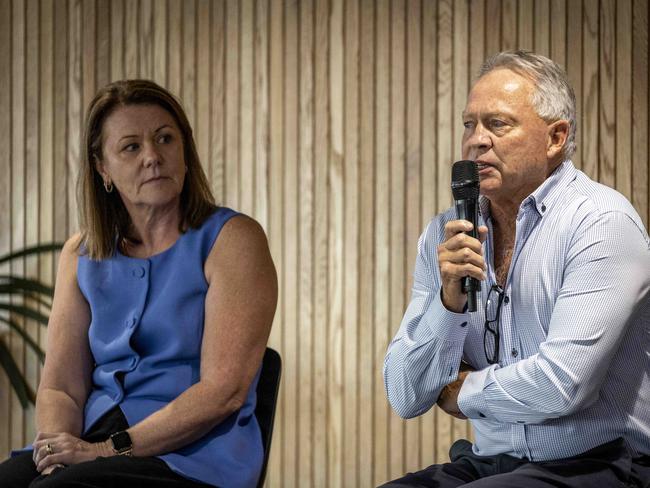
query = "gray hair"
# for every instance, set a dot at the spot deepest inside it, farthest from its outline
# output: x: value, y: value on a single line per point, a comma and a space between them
x: 553, y: 98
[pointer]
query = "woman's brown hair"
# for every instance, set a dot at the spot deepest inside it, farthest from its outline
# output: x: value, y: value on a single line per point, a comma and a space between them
x: 103, y: 218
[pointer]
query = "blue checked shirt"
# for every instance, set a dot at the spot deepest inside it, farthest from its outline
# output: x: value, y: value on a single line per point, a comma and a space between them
x: 574, y: 366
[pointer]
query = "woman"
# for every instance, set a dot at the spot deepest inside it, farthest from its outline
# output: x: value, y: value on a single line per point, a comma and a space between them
x: 160, y: 318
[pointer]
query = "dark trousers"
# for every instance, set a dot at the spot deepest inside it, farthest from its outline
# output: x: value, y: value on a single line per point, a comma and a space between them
x: 606, y: 466
x: 116, y: 471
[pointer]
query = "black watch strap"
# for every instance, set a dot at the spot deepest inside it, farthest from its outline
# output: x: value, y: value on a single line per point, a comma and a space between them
x: 122, y: 444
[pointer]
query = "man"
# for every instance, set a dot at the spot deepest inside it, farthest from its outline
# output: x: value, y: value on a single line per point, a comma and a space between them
x: 553, y: 370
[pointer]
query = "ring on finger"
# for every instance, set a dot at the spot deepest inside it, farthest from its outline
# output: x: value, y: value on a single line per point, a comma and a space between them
x: 48, y: 449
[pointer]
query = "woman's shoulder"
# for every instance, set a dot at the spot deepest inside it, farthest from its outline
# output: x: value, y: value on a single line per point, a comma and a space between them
x: 242, y: 240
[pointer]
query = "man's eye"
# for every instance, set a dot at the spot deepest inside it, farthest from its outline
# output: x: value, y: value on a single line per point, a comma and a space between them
x: 497, y: 124
x: 468, y: 124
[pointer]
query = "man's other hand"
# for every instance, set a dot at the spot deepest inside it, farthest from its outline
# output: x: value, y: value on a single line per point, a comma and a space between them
x: 448, y: 399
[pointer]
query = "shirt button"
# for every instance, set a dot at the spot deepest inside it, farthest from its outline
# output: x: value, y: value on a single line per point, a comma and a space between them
x: 480, y: 414
x: 506, y: 299
x: 138, y: 272
x: 131, y: 322
x: 463, y: 324
x: 543, y: 208
x: 514, y: 352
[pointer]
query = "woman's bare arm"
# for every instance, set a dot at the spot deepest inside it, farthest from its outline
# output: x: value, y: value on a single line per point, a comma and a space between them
x: 66, y: 377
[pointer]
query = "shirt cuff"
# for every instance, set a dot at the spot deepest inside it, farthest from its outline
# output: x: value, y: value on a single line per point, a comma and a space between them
x: 472, y: 401
x: 444, y: 324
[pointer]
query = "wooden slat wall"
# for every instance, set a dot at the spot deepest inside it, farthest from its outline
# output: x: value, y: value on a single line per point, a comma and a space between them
x: 334, y: 123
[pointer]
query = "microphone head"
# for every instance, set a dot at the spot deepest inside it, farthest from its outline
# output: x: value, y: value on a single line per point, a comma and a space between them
x: 464, y: 180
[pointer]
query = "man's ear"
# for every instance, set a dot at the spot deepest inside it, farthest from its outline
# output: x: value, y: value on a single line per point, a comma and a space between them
x: 558, y: 133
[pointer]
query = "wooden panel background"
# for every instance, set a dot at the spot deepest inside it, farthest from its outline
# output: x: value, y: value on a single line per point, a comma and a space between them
x: 334, y: 123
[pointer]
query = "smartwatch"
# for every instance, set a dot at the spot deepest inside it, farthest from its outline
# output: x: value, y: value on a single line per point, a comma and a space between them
x: 122, y: 444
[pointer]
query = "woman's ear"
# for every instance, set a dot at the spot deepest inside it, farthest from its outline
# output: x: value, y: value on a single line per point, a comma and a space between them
x: 558, y: 133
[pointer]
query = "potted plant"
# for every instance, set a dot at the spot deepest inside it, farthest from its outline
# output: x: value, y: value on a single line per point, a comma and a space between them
x: 23, y: 297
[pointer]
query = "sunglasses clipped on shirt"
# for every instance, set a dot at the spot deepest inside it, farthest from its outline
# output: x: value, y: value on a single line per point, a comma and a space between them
x: 491, y: 333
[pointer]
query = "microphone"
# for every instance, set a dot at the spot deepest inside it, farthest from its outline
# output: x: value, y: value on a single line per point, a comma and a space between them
x: 465, y: 188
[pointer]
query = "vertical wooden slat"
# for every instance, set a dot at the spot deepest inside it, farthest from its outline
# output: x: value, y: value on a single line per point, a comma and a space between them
x: 366, y: 365
x: 232, y: 87
x: 5, y: 197
x: 336, y: 269
x: 276, y: 225
x: 32, y: 176
x: 46, y: 146
x: 397, y: 192
x: 145, y: 39
x: 130, y: 46
x: 574, y: 68
x: 525, y: 29
x: 75, y: 109
x: 477, y: 36
x: 247, y: 127
x: 17, y: 192
x: 351, y: 424
x: 607, y: 108
x: 276, y: 221
x: 160, y: 46
x: 216, y: 165
x: 508, y: 25
x: 590, y: 99
x: 103, y: 48
x: 381, y: 236
x: 6, y: 217
x: 404, y: 269
x: 174, y: 44
x: 413, y: 182
x: 460, y: 90
x: 203, y: 80
x: 444, y: 156
x: 188, y: 61
x: 261, y: 104
x: 640, y: 100
x: 319, y: 218
x: 623, y: 103
x: 61, y: 62
x: 88, y: 51
x: 492, y: 27
x: 117, y: 39
x: 306, y: 245
x: 542, y: 27
x: 293, y: 408
x: 558, y: 32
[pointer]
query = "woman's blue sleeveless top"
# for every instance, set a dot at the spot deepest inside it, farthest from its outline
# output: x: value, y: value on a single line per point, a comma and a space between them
x: 145, y: 336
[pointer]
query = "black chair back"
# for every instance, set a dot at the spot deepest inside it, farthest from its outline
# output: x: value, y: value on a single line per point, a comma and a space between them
x: 267, y: 397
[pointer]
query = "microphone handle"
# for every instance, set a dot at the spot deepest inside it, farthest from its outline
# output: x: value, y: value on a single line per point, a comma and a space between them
x: 468, y: 210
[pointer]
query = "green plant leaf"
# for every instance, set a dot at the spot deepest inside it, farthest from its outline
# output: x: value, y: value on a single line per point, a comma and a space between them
x: 26, y: 284
x: 25, y: 311
x: 25, y: 393
x: 26, y: 337
x: 39, y: 249
x: 27, y: 295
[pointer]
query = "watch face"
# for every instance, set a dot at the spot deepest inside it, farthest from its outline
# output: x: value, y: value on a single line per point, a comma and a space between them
x: 121, y: 441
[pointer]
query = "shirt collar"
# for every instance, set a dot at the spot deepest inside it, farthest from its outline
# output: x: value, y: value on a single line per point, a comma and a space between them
x: 546, y: 194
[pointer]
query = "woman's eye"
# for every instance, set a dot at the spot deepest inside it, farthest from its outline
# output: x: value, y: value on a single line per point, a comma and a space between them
x: 164, y: 138
x: 131, y: 147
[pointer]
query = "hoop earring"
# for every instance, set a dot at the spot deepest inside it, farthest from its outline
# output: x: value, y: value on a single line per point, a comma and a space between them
x: 108, y: 186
